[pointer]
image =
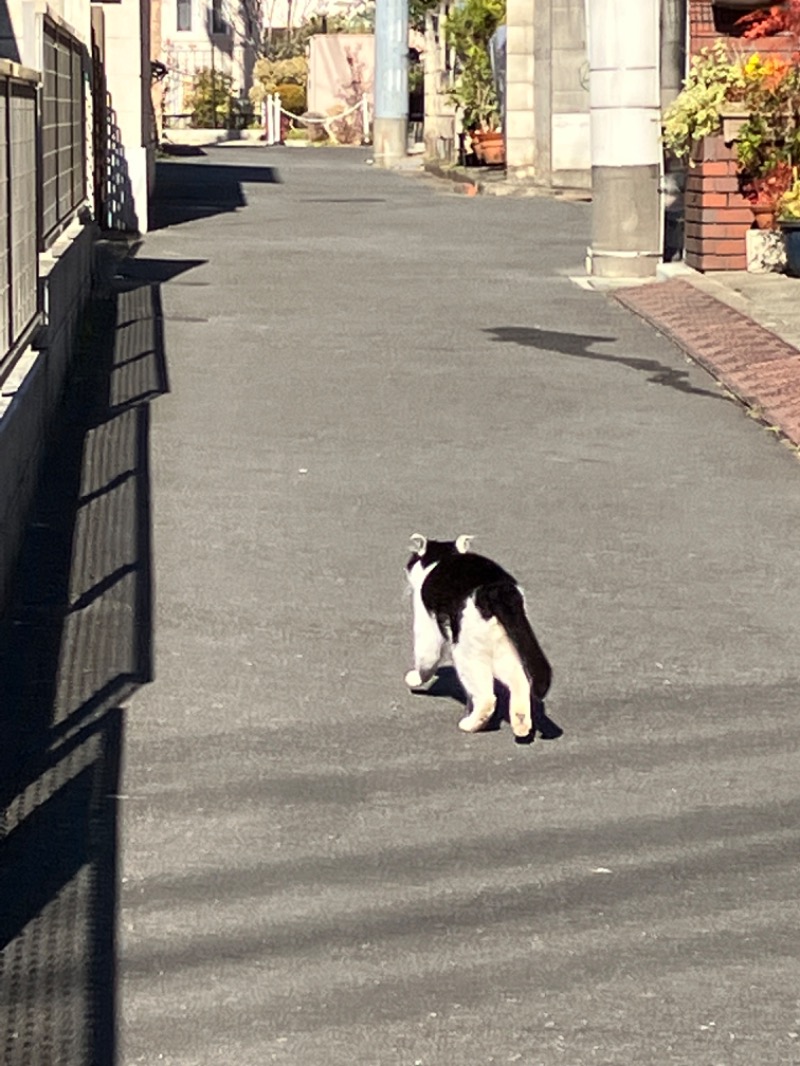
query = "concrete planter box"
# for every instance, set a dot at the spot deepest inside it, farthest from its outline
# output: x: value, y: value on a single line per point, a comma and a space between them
x: 733, y: 118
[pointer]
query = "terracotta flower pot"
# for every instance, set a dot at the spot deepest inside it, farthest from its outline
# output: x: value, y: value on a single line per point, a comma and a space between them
x: 490, y: 147
x: 763, y: 215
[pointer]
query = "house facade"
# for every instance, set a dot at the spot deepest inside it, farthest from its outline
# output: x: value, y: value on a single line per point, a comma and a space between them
x: 218, y: 36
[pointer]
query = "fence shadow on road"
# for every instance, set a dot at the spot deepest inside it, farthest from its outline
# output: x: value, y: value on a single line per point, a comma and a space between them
x: 192, y: 188
x: 581, y: 345
x: 74, y: 645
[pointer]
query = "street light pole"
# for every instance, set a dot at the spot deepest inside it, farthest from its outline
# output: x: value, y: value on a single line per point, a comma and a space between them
x: 390, y: 126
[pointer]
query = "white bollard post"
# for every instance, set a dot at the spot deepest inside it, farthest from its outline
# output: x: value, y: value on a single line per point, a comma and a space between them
x: 365, y: 118
x: 277, y: 120
x: 268, y: 102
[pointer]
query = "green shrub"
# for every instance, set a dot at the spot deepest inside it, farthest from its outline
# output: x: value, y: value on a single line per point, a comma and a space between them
x: 268, y: 74
x: 293, y: 98
x: 212, y: 101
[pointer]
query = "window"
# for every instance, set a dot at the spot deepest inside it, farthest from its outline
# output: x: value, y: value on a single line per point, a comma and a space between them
x: 218, y: 24
x: 184, y: 14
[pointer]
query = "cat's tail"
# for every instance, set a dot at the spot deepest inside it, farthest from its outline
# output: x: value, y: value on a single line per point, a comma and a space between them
x: 505, y: 601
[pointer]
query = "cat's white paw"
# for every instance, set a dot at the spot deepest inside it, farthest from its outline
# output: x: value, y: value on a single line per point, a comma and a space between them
x: 470, y: 725
x: 414, y: 680
x: 521, y: 725
x: 478, y: 718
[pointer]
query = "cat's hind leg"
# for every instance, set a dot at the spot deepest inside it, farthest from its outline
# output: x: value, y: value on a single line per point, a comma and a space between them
x: 475, y: 674
x: 508, y: 669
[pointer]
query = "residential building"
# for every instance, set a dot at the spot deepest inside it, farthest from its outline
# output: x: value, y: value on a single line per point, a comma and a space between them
x: 219, y: 36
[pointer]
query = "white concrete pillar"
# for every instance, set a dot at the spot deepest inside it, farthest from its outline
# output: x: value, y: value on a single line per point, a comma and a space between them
x: 623, y: 37
x: 520, y: 114
x: 127, y: 66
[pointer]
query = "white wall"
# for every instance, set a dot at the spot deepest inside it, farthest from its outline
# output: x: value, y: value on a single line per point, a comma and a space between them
x: 127, y: 66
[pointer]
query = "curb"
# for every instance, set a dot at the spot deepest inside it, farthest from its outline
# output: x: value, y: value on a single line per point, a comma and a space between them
x: 462, y: 182
x: 497, y: 184
x: 759, y: 368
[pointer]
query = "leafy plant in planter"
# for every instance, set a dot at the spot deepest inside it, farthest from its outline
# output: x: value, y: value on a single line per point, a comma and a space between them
x: 766, y: 89
x: 768, y: 144
x: 469, y: 29
x: 713, y: 81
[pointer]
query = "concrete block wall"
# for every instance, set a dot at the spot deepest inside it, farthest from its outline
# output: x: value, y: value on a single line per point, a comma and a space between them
x: 547, y: 115
x: 31, y: 395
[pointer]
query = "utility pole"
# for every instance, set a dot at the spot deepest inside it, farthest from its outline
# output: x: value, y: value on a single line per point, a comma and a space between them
x: 390, y: 125
x: 673, y: 71
x: 625, y: 118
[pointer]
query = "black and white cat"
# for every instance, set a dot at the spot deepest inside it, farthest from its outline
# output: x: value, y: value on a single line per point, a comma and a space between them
x: 468, y: 608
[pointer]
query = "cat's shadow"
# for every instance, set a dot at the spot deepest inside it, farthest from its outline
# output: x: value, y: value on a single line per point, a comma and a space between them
x: 448, y: 685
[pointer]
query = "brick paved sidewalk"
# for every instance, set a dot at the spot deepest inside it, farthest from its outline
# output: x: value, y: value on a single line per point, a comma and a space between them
x: 758, y: 367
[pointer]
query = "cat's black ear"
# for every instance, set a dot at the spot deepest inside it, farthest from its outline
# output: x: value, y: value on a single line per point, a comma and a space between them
x: 463, y: 542
x: 418, y: 543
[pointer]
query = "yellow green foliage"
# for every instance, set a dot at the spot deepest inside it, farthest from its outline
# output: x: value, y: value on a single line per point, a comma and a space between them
x: 293, y: 98
x: 270, y: 74
x: 789, y: 203
x: 712, y: 80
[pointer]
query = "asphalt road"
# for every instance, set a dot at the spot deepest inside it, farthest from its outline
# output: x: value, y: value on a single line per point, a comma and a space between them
x: 318, y: 868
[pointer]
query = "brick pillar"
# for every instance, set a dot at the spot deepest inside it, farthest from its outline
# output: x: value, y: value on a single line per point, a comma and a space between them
x: 717, y: 215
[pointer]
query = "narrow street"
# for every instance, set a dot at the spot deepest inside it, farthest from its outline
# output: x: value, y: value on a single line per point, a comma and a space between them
x: 317, y: 868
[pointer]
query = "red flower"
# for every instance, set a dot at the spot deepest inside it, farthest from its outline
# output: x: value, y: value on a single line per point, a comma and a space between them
x: 780, y: 18
x: 769, y: 188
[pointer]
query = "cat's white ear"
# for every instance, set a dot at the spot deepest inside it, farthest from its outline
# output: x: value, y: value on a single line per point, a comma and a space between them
x: 418, y: 543
x: 463, y: 542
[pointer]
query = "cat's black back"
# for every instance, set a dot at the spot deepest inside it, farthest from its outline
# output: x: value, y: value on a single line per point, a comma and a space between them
x: 457, y: 576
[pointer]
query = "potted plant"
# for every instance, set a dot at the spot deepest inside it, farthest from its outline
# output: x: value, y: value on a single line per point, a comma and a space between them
x: 768, y: 142
x: 789, y: 222
x: 764, y: 190
x: 469, y: 29
x: 714, y: 82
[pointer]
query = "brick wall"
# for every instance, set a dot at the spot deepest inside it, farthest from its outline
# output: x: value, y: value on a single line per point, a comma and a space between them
x: 707, y: 23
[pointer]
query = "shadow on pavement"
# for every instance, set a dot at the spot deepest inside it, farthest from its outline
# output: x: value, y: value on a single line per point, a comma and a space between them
x: 580, y: 345
x: 74, y: 645
x: 193, y: 189
x: 447, y: 685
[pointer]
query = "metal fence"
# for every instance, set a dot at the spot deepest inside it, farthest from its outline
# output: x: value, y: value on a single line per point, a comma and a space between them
x: 63, y: 128
x: 19, y: 245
